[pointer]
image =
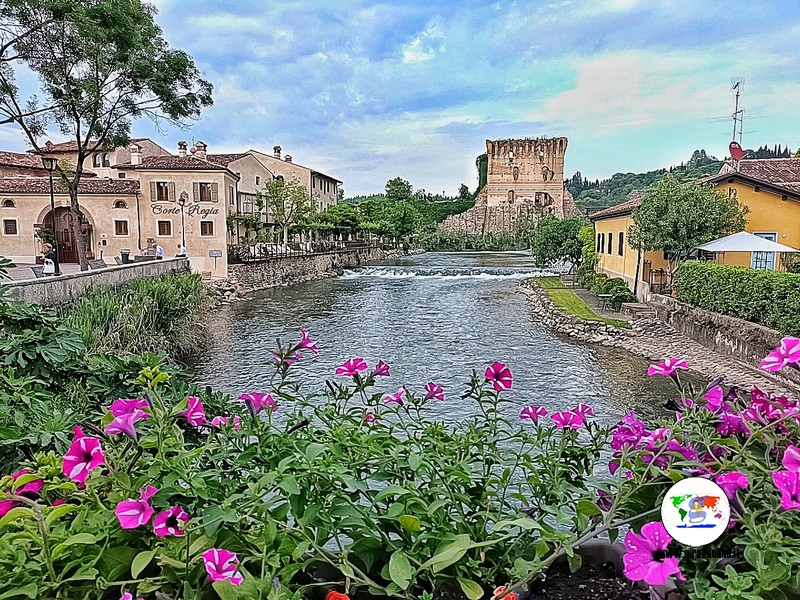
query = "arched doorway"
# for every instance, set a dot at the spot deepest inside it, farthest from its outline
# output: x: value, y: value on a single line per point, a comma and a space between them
x: 64, y: 236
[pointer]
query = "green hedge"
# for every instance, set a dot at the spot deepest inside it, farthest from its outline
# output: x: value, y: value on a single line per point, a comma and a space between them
x: 769, y: 298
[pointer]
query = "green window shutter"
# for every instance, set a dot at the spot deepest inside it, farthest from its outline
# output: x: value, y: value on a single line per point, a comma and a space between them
x: 196, y: 190
x: 172, y: 196
x: 214, y: 192
x: 153, y: 192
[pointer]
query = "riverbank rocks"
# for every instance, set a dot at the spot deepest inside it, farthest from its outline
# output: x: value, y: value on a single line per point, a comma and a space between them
x: 651, y: 338
x: 227, y: 291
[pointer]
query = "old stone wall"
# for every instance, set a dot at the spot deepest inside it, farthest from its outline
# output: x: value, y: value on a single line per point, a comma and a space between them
x: 725, y: 335
x: 295, y: 269
x: 52, y: 291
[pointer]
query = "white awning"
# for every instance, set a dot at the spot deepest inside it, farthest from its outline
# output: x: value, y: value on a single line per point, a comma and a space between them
x: 744, y: 242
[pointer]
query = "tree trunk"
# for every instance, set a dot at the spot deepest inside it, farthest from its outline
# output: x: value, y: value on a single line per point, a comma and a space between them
x: 285, y: 235
x: 77, y: 229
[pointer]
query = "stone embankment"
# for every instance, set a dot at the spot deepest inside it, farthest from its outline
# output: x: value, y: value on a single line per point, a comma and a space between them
x: 249, y: 277
x: 654, y: 340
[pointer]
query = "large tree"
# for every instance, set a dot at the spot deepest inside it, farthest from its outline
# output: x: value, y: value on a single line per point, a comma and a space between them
x: 557, y: 240
x: 101, y: 64
x: 287, y: 202
x: 676, y: 218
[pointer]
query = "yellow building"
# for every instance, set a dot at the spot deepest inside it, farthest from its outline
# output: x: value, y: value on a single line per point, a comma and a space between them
x: 616, y: 257
x: 770, y: 188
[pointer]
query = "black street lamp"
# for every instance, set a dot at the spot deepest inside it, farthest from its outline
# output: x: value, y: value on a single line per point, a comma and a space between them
x: 182, y: 202
x: 50, y: 163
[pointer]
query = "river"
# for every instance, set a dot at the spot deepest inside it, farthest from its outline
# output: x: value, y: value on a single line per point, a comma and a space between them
x: 434, y: 316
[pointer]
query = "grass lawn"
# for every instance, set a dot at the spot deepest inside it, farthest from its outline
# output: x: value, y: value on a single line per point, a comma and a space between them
x: 566, y: 301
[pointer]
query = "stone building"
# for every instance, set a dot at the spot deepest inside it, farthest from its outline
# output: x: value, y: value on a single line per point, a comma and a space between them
x: 135, y: 198
x: 524, y: 180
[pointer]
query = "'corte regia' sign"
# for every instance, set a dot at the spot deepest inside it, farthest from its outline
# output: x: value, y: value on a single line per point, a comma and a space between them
x: 194, y: 209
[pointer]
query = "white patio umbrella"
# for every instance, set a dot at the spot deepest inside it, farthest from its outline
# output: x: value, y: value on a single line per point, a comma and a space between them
x: 744, y: 242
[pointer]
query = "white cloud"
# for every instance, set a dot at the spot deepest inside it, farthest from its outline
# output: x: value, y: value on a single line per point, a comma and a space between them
x: 425, y: 46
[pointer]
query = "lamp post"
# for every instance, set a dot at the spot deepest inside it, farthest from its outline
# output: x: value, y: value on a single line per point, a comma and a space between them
x: 50, y: 163
x: 182, y: 202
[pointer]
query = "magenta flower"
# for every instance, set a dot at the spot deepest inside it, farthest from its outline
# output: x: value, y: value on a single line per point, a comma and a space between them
x: 286, y: 360
x: 124, y: 406
x: 222, y: 565
x: 668, y: 367
x: 584, y: 410
x: 30, y: 489
x: 788, y: 484
x: 786, y: 354
x: 218, y: 422
x: 499, y: 375
x: 194, y: 414
x: 126, y: 423
x: 135, y: 513
x: 307, y: 343
x: 567, y: 419
x: 791, y: 459
x: 605, y: 501
x: 732, y: 424
x: 646, y: 557
x: 169, y: 522
x: 715, y: 398
x: 128, y: 596
x: 370, y: 418
x: 396, y: 398
x: 257, y: 402
x: 732, y: 482
x: 382, y: 369
x: 534, y: 413
x: 434, y: 391
x: 85, y: 454
x: 628, y: 432
x: 352, y: 367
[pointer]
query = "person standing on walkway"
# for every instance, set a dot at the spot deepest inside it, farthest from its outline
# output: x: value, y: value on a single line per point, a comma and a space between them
x: 51, y: 266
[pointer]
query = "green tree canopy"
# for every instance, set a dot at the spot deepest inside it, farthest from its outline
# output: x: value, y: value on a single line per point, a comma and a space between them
x: 101, y: 64
x: 676, y: 218
x: 288, y: 203
x: 556, y: 240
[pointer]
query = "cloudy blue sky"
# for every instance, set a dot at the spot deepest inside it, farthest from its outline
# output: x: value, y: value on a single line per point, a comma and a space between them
x: 367, y: 91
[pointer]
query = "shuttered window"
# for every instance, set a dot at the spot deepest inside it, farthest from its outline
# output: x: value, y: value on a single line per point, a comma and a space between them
x: 162, y: 191
x: 120, y: 228
x: 165, y: 228
x: 10, y: 227
x: 206, y: 228
x: 205, y: 192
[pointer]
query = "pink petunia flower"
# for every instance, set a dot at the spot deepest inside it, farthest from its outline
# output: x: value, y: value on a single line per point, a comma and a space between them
x: 534, y: 413
x: 126, y: 424
x: 169, y: 522
x: 218, y: 422
x: 370, y: 418
x: 791, y: 459
x: 85, y: 454
x: 628, y: 432
x: 32, y: 488
x: 788, y: 484
x: 135, y: 513
x: 499, y: 375
x: 732, y: 482
x: 307, y: 343
x: 194, y: 414
x: 604, y: 501
x: 434, y: 391
x: 584, y: 410
x: 124, y: 406
x: 352, y: 367
x: 286, y: 360
x: 668, y: 367
x: 732, y: 424
x: 128, y: 596
x: 646, y: 557
x: 257, y: 402
x: 786, y: 354
x: 567, y: 419
x: 715, y: 398
x: 222, y: 565
x: 396, y: 398
x: 382, y: 369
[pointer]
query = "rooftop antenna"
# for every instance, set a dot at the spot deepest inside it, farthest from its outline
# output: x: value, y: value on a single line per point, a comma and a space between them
x: 737, y: 85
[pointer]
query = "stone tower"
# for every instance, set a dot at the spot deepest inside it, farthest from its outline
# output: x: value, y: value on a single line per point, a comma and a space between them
x: 526, y: 172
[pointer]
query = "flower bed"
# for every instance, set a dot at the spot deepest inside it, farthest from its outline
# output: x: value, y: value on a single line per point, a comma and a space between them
x: 160, y: 499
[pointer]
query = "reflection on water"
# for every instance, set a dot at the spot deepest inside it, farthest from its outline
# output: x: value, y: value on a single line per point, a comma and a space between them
x: 434, y: 317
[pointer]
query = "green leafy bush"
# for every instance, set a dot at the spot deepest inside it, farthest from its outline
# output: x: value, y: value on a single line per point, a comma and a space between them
x: 769, y: 298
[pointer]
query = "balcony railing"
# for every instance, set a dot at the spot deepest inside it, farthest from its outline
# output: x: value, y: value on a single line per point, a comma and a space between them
x: 247, y: 253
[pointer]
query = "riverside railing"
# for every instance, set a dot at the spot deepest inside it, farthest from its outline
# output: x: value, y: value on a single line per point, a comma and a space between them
x: 260, y: 252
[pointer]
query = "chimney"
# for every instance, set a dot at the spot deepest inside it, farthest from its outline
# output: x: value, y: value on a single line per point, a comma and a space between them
x: 277, y: 151
x: 136, y: 154
x: 200, y: 150
x: 182, y: 148
x: 288, y: 158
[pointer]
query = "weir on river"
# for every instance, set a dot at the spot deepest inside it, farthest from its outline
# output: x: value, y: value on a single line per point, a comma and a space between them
x: 434, y: 316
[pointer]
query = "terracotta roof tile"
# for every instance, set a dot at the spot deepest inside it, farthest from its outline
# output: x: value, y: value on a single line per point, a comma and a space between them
x: 174, y: 163
x: 41, y: 185
x: 225, y: 159
x: 16, y: 159
x: 773, y: 170
x: 633, y: 201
